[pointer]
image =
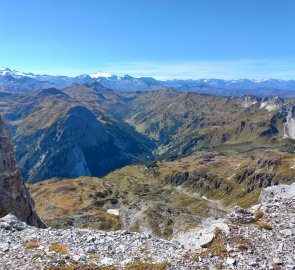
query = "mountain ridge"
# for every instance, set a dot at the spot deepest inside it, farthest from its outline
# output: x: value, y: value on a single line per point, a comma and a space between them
x: 142, y: 126
x: 238, y: 87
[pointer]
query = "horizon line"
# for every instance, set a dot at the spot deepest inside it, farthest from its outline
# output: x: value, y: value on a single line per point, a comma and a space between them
x: 229, y: 70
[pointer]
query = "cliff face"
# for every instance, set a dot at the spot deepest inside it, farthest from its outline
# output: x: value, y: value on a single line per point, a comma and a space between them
x: 14, y: 197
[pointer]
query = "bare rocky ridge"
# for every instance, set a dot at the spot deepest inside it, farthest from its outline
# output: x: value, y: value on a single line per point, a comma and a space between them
x: 262, y: 237
x: 14, y: 197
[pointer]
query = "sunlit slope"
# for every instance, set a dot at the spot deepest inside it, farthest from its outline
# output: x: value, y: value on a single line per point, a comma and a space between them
x: 186, y: 122
x: 162, y: 197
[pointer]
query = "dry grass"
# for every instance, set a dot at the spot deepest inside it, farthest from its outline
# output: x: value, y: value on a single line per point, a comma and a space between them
x: 32, y: 244
x: 76, y: 266
x: 146, y: 266
x: 58, y: 248
x: 218, y: 266
x: 241, y: 243
x: 143, y: 249
x: 132, y: 266
x: 258, y: 215
x: 217, y: 231
x: 242, y: 247
x: 276, y: 267
x: 216, y: 248
x: 233, y: 226
x: 263, y: 225
x: 37, y: 256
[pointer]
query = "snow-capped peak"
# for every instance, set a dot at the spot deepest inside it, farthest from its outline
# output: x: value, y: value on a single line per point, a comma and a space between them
x: 263, y: 80
x: 101, y: 75
x: 6, y: 71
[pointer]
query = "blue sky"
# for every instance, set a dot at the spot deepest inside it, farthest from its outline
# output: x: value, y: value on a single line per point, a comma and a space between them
x: 159, y: 38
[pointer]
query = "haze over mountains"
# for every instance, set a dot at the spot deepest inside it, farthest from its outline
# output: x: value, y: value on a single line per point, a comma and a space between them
x: 15, y: 81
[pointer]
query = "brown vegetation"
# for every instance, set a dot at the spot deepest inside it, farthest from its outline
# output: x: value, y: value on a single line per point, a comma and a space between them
x: 264, y: 225
x: 59, y: 248
x: 32, y: 244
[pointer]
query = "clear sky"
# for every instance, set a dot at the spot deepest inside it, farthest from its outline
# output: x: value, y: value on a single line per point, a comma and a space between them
x: 160, y: 38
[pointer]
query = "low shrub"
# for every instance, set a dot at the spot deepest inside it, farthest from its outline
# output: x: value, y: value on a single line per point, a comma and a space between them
x: 263, y: 225
x: 58, y: 248
x: 258, y: 215
x: 146, y: 266
x: 32, y: 244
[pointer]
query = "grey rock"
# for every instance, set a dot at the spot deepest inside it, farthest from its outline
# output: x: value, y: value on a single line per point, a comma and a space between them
x: 278, y: 261
x: 230, y: 261
x: 10, y: 222
x: 241, y: 215
x: 272, y: 193
x: 14, y: 196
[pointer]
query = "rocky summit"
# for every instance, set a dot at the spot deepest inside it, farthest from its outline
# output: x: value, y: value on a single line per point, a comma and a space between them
x: 261, y: 237
x: 14, y: 197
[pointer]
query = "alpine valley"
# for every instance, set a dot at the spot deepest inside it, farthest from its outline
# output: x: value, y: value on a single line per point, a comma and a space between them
x: 154, y: 157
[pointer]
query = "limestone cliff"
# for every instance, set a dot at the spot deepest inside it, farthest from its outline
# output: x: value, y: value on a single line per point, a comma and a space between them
x: 14, y: 197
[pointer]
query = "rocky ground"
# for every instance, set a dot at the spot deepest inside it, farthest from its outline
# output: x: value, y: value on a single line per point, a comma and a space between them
x: 262, y: 237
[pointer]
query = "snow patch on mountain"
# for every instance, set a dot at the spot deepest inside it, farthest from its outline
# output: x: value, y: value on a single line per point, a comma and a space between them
x: 14, y: 73
x: 101, y: 75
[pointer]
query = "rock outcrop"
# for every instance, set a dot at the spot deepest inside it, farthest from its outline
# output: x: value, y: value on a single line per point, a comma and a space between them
x: 249, y: 100
x: 14, y: 196
x: 261, y: 237
x: 271, y: 104
x: 277, y: 193
x: 288, y: 112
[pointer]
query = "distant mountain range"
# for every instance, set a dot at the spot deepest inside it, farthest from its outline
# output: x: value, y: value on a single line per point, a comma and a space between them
x: 12, y: 81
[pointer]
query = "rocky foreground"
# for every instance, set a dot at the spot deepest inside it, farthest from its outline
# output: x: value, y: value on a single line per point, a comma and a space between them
x: 262, y: 237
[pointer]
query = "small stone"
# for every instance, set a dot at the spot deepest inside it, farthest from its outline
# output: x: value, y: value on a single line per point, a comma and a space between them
x: 76, y: 257
x: 107, y: 261
x: 277, y: 261
x: 229, y: 248
x: 253, y: 263
x: 4, y: 247
x: 286, y: 232
x: 230, y: 261
x: 90, y: 239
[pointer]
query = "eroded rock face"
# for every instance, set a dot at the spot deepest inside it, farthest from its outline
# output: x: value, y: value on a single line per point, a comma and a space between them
x: 248, y: 100
x: 271, y: 104
x: 14, y: 197
x: 289, y: 125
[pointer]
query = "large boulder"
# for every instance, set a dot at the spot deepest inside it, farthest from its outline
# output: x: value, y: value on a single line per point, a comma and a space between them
x: 202, y: 235
x: 14, y: 196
